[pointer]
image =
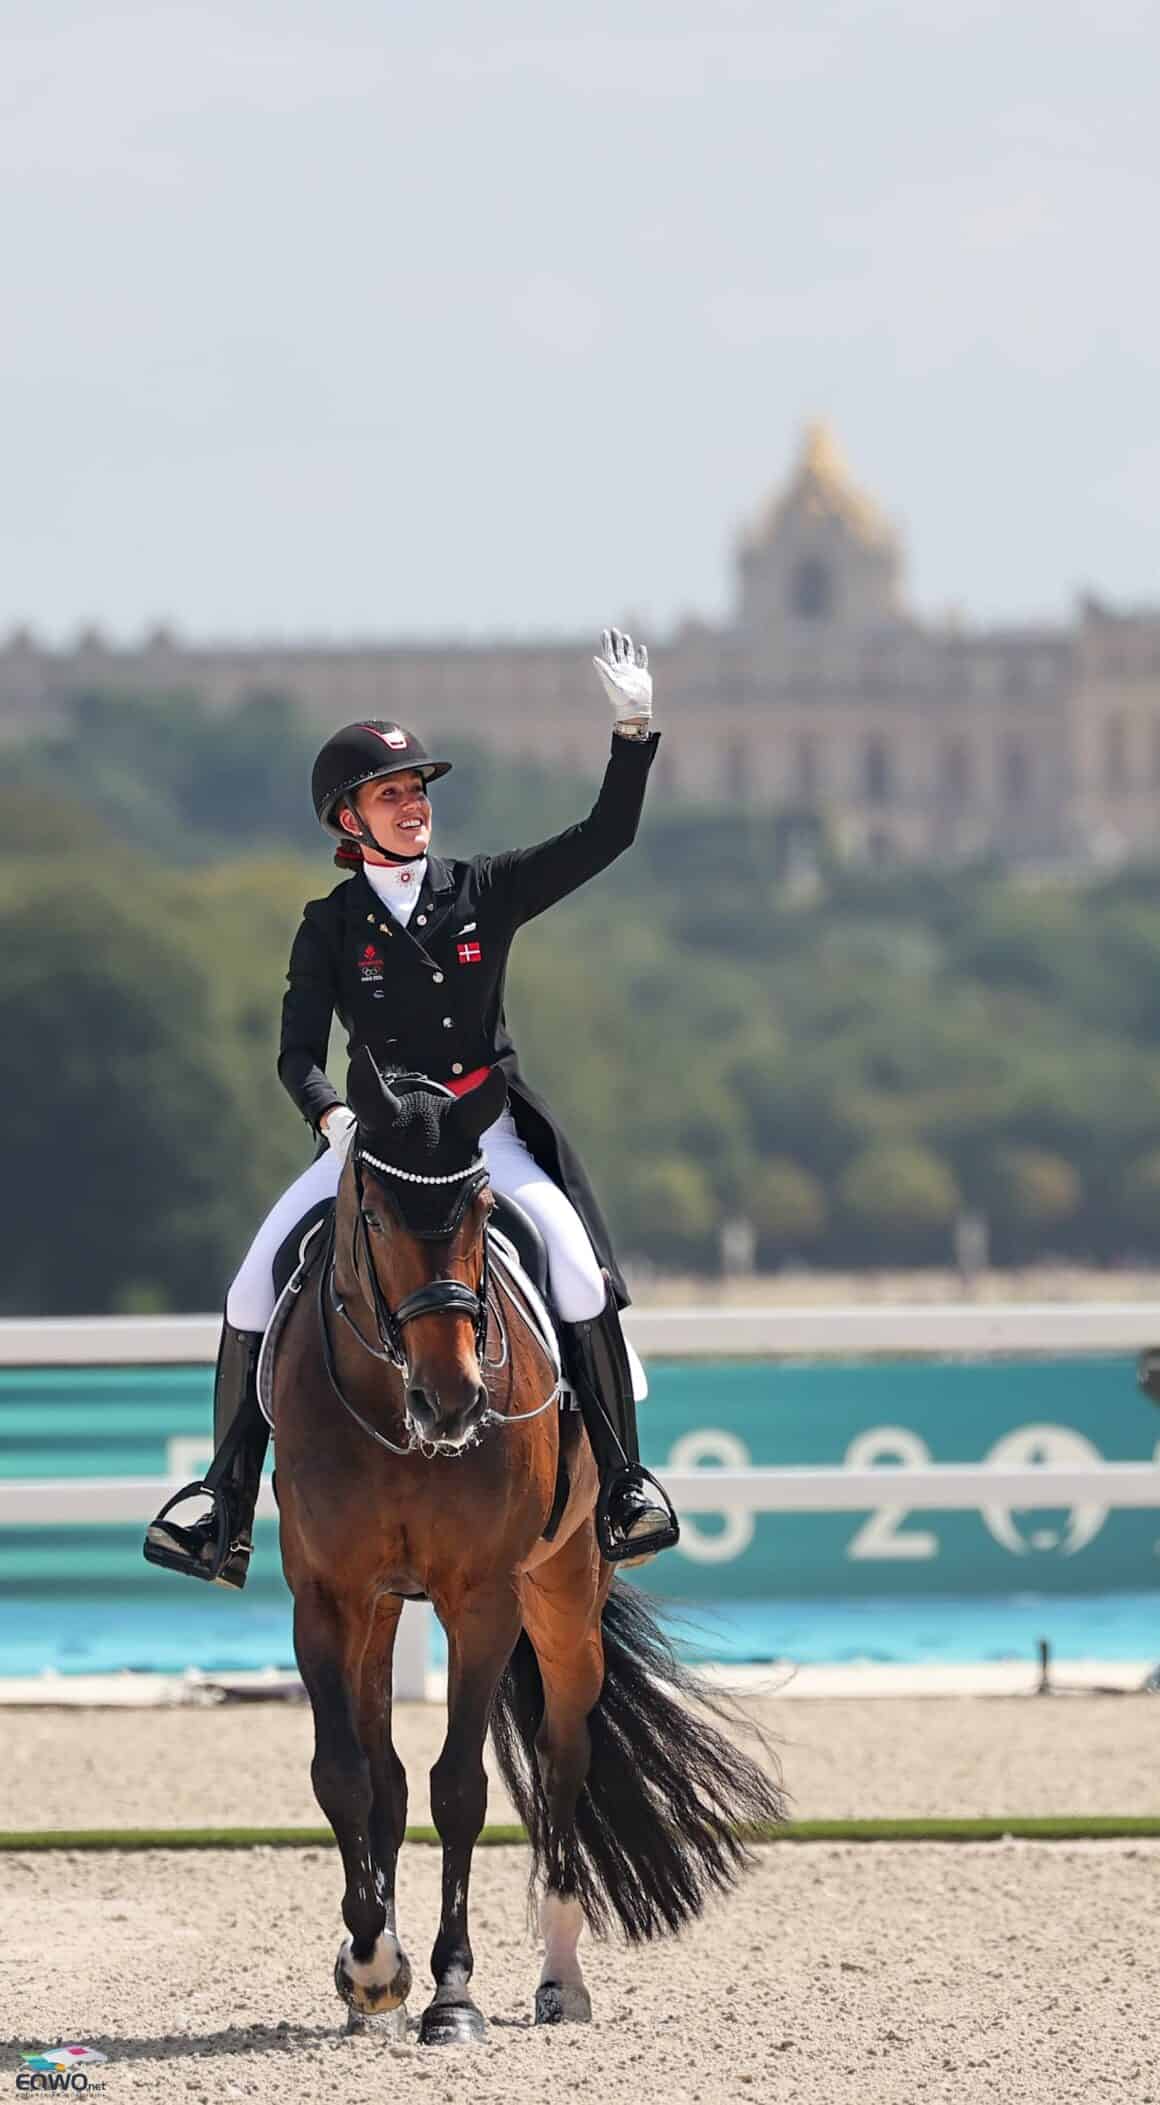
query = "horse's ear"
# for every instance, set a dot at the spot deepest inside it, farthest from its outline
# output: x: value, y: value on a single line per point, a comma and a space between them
x: 479, y: 1108
x: 372, y: 1099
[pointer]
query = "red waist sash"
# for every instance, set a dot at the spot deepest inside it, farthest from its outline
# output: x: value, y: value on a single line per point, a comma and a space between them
x: 461, y: 1082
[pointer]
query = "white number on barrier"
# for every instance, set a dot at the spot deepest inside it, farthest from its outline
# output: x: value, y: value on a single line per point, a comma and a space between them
x: 881, y: 1535
x: 728, y: 1452
x: 1062, y: 1447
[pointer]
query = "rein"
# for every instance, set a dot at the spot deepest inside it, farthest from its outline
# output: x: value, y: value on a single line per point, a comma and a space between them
x: 437, y: 1297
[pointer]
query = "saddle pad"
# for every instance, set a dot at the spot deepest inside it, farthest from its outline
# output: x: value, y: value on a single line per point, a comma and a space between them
x: 506, y: 1257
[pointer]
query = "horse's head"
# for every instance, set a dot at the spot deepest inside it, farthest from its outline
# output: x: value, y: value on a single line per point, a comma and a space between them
x: 421, y: 1199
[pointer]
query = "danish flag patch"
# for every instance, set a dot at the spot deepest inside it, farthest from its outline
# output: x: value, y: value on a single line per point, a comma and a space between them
x: 468, y: 953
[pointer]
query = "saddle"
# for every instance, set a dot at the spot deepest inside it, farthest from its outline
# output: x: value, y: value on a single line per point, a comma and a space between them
x: 508, y: 1216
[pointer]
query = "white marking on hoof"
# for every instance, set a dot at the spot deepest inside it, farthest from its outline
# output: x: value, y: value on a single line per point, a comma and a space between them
x: 560, y: 2003
x: 379, y: 1983
x: 388, y: 2025
x: 561, y: 1997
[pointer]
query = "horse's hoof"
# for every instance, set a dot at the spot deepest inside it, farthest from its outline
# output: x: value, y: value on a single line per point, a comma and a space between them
x: 451, y: 2025
x: 392, y: 2025
x: 376, y: 1985
x: 563, y: 2003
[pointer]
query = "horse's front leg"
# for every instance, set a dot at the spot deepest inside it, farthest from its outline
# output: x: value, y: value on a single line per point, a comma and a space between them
x: 480, y: 1638
x: 388, y: 1964
x: 371, y: 1973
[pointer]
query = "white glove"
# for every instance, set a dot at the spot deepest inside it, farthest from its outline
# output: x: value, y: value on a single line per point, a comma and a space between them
x: 340, y: 1125
x: 623, y: 668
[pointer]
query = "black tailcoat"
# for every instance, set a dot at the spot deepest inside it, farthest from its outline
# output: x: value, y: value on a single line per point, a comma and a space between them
x: 429, y: 997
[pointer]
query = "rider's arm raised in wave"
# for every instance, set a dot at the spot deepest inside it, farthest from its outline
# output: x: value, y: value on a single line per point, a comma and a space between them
x: 307, y: 1007
x: 529, y: 880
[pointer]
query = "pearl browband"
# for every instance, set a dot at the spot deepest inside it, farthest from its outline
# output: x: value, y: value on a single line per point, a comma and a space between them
x: 413, y: 1177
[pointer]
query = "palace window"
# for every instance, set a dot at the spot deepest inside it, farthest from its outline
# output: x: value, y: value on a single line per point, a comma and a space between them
x: 738, y: 771
x: 957, y: 773
x: 1016, y: 772
x: 812, y: 589
x: 808, y: 768
x: 1016, y: 675
x: 663, y: 772
x: 1116, y: 753
x: 877, y: 771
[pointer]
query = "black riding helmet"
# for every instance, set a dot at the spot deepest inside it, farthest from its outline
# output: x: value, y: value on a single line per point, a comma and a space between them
x: 362, y: 753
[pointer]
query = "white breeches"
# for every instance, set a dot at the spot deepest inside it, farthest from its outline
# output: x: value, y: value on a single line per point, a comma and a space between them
x: 577, y: 1284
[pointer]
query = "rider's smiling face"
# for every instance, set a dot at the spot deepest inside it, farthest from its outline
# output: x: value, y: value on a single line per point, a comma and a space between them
x: 396, y: 809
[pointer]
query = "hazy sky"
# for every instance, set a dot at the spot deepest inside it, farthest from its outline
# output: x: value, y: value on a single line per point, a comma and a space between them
x: 501, y: 318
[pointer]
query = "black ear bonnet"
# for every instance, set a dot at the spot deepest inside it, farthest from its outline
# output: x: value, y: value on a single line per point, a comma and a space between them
x: 415, y: 1137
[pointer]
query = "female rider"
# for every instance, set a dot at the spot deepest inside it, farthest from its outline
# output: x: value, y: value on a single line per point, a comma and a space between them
x: 411, y: 953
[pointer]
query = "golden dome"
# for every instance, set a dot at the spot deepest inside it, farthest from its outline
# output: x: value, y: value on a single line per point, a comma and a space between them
x: 822, y: 486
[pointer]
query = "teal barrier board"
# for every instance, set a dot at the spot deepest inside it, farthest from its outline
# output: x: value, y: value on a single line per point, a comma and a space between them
x: 146, y: 1421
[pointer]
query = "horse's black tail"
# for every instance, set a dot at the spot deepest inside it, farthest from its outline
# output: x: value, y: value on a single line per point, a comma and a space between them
x: 662, y: 1819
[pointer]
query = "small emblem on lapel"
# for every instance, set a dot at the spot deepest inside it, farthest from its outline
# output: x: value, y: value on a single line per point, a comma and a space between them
x: 370, y: 964
x: 468, y: 953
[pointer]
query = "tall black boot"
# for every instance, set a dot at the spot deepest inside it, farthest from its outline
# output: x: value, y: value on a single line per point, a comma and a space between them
x: 634, y: 1516
x: 218, y: 1546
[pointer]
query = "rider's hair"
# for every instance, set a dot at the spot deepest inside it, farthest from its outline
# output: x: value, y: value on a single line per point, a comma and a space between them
x: 348, y: 855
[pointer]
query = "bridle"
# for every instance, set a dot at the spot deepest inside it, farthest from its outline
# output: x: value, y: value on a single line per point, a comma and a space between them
x: 435, y: 1297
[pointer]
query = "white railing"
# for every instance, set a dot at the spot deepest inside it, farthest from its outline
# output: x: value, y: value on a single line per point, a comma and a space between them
x: 934, y: 1330
x: 938, y: 1487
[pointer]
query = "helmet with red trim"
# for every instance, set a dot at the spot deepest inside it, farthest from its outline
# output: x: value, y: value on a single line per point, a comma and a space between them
x: 361, y: 753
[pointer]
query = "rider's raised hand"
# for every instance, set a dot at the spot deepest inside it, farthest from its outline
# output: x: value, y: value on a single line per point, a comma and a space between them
x: 623, y: 668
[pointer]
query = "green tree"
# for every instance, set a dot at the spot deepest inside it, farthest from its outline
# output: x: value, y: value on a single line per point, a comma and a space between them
x: 1031, y: 1190
x: 787, y: 1207
x: 1140, y: 1202
x: 125, y: 1142
x: 899, y: 1202
x: 666, y: 1209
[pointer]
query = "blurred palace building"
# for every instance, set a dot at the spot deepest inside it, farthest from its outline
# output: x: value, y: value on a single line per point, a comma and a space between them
x: 822, y: 697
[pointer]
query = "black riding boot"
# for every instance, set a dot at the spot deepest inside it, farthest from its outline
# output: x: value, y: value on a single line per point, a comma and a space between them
x: 218, y: 1546
x: 634, y: 1518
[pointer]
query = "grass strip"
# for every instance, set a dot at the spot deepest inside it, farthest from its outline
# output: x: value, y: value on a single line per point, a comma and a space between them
x: 1080, y: 1827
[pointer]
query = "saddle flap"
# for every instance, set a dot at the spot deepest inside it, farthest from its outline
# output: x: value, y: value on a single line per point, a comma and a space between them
x: 520, y: 1229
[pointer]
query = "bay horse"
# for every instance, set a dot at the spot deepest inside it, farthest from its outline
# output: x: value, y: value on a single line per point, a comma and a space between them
x: 421, y: 1451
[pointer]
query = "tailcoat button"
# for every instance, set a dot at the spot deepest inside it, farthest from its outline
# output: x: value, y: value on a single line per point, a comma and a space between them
x: 457, y: 1067
x: 438, y: 978
x: 422, y: 920
x: 447, y: 1022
